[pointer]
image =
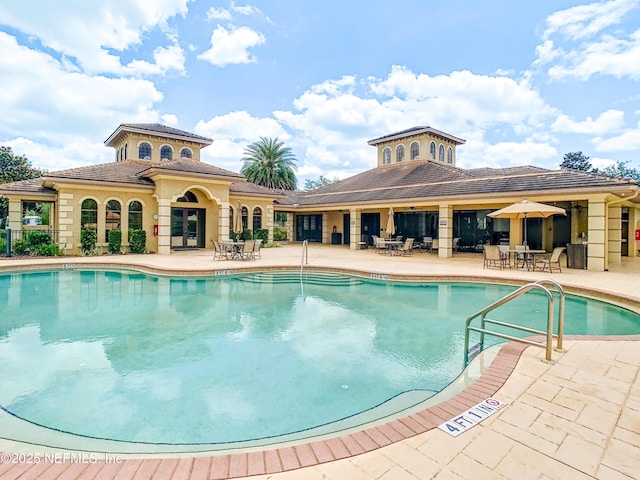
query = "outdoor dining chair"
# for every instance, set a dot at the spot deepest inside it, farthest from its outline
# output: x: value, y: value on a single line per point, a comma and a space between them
x: 550, y: 261
x: 248, y: 250
x: 219, y: 251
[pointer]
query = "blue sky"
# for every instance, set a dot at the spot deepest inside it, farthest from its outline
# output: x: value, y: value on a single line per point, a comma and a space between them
x: 522, y: 82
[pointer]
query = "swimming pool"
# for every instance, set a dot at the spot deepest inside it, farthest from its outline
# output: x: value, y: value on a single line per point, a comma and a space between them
x: 141, y: 359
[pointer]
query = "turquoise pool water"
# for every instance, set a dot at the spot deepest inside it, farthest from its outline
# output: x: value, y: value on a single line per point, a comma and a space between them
x: 138, y: 358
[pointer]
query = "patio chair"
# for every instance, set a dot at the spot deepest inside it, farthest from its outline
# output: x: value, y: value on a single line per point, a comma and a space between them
x: 520, y: 256
x: 406, y: 248
x: 248, y: 250
x: 506, y: 255
x: 550, y: 260
x: 256, y: 248
x: 493, y: 257
x: 219, y: 252
x: 456, y: 244
x: 427, y: 244
x: 380, y: 244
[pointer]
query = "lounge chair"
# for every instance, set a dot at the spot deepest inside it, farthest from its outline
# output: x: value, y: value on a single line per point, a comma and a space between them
x: 550, y: 260
x: 219, y: 252
x: 248, y: 250
x: 256, y: 248
x: 493, y: 257
x: 406, y: 248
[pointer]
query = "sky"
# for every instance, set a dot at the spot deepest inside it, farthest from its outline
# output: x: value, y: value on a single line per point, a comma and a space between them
x: 522, y: 82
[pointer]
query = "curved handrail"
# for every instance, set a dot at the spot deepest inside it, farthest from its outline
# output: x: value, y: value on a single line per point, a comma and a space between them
x: 560, y: 310
x: 548, y: 345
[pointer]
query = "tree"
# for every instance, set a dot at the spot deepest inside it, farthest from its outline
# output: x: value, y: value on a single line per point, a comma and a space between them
x: 12, y: 169
x: 269, y: 163
x: 620, y: 170
x: 320, y: 182
x: 576, y: 161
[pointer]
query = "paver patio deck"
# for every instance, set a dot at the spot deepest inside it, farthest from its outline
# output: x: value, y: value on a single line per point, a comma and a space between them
x: 577, y: 418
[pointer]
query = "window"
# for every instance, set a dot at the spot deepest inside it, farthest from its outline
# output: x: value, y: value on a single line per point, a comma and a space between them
x: 188, y: 197
x: 186, y: 153
x: 386, y: 156
x: 432, y: 150
x: 166, y: 153
x: 245, y: 218
x: 449, y: 155
x: 135, y: 216
x: 400, y: 153
x: 111, y: 218
x: 441, y: 153
x: 89, y: 214
x: 415, y: 150
x: 144, y: 151
x: 257, y: 219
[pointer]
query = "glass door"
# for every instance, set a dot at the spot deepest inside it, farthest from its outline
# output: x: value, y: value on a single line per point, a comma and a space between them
x: 187, y: 227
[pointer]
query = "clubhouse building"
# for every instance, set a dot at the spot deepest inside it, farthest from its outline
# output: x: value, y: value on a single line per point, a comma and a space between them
x: 157, y: 183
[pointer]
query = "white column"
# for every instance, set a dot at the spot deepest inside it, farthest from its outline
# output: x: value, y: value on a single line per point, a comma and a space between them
x: 597, y: 233
x: 164, y: 226
x: 445, y: 231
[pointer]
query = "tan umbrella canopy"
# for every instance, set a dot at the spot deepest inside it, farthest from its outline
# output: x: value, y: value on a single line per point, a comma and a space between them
x: 391, y: 226
x: 237, y: 220
x: 527, y: 209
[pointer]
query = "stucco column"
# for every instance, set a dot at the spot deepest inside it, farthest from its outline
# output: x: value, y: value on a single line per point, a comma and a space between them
x: 325, y: 229
x: 614, y: 234
x: 291, y: 228
x: 597, y: 234
x: 15, y: 214
x: 66, y: 216
x: 269, y: 221
x: 354, y: 228
x: 224, y: 221
x: 445, y: 231
x: 164, y: 226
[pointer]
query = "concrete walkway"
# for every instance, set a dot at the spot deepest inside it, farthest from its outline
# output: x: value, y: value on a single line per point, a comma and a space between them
x: 577, y: 418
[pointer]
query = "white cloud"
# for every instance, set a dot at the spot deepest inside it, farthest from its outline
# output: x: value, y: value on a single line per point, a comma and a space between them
x: 89, y: 33
x: 626, y: 142
x: 231, y: 46
x: 218, y: 14
x: 585, y: 21
x: 609, y: 121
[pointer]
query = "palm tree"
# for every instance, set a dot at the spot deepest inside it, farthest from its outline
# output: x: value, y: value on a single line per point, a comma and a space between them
x: 269, y: 163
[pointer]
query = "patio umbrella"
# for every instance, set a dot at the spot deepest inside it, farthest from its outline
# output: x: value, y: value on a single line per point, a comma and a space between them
x: 391, y: 226
x: 237, y: 220
x: 527, y: 209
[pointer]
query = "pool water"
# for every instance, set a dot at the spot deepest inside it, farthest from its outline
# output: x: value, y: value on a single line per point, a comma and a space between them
x: 184, y: 361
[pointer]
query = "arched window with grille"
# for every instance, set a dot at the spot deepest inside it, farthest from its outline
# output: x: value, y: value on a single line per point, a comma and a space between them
x: 441, y: 153
x: 386, y: 156
x: 186, y: 153
x: 89, y: 214
x: 166, y: 153
x: 432, y: 150
x: 415, y: 150
x: 112, y: 217
x: 400, y: 153
x: 135, y: 215
x: 144, y: 151
x: 257, y: 219
x: 449, y: 155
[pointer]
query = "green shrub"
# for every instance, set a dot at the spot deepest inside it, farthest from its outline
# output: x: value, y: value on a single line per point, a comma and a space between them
x: 262, y: 233
x: 20, y: 247
x: 47, y: 250
x: 279, y: 234
x: 246, y: 234
x: 137, y: 241
x: 35, y: 238
x: 88, y: 240
x: 3, y: 242
x: 115, y: 241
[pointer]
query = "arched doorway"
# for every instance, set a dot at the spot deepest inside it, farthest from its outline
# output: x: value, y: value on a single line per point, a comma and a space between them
x: 188, y: 223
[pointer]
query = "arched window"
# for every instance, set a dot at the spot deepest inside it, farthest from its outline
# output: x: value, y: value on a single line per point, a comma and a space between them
x: 135, y: 215
x: 188, y: 197
x: 257, y: 219
x: 186, y: 153
x: 400, y: 153
x: 432, y: 150
x: 245, y: 218
x: 144, y: 151
x: 449, y: 155
x: 89, y: 214
x: 441, y: 153
x: 126, y: 147
x: 166, y: 153
x: 415, y: 150
x: 386, y: 156
x: 112, y: 218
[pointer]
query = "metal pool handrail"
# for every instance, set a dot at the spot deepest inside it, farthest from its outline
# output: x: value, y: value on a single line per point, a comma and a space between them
x: 547, y: 345
x: 560, y: 333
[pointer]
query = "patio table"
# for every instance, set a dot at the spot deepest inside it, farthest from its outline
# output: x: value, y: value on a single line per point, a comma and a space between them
x: 236, y: 249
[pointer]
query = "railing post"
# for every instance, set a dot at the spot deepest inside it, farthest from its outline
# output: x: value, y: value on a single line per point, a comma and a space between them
x: 549, y: 329
x: 8, y: 252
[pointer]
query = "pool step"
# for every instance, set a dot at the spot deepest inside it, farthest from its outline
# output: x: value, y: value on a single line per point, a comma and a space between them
x: 315, y: 278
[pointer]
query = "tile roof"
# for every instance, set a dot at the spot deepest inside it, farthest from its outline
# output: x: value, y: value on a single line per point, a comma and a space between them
x: 159, y: 130
x: 117, y: 172
x: 188, y: 165
x: 431, y: 180
x: 415, y: 131
x: 33, y: 186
